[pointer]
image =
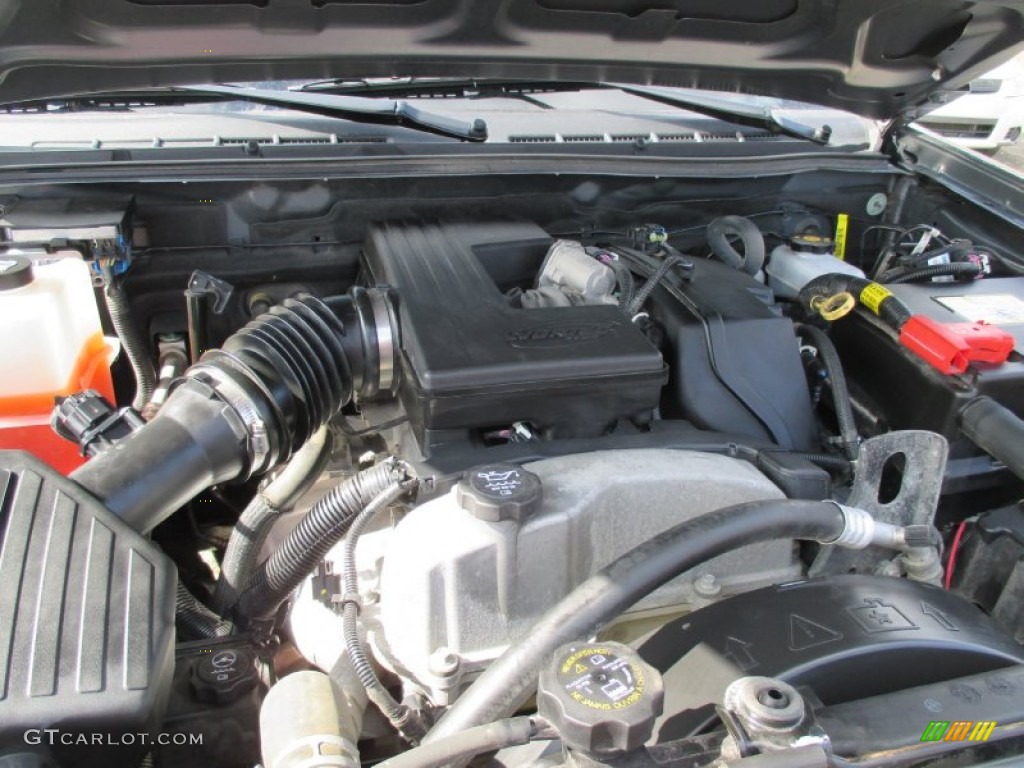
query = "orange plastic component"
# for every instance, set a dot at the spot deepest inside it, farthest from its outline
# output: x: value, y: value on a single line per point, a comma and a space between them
x: 25, y: 419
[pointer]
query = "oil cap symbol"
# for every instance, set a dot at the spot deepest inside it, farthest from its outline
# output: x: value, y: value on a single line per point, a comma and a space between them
x: 496, y: 492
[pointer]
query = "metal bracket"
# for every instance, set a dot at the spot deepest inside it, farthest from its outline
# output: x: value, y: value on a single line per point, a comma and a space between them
x: 921, y: 457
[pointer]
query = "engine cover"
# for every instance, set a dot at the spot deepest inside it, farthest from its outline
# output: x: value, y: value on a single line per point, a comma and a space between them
x: 473, y: 360
x: 459, y: 584
x: 845, y: 637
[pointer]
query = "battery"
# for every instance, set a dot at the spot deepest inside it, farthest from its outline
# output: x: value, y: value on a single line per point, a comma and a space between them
x: 910, y: 393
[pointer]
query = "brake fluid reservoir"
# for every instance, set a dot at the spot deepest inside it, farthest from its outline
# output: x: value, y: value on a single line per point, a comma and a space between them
x: 53, y: 345
x: 794, y: 264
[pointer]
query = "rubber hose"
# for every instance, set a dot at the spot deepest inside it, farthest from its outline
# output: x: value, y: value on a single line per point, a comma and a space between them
x: 627, y: 285
x: 133, y: 344
x: 319, y: 530
x: 722, y: 229
x: 469, y: 743
x: 243, y: 409
x: 959, y: 269
x: 889, y: 309
x: 395, y: 712
x: 997, y: 430
x: 194, y: 621
x: 652, y: 282
x: 262, y: 512
x: 848, y: 436
x: 509, y: 681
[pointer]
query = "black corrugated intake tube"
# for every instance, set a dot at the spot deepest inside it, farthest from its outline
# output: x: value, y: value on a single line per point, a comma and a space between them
x: 307, y: 544
x: 248, y: 406
x: 870, y: 294
x: 509, y: 681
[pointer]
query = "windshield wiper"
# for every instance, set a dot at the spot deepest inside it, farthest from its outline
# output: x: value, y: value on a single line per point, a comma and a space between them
x: 358, y: 109
x: 751, y: 116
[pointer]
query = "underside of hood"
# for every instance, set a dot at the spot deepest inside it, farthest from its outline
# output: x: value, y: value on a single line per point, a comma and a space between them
x: 877, y: 58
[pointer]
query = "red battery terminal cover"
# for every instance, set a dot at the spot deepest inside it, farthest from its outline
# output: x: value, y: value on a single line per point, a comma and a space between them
x: 951, y: 347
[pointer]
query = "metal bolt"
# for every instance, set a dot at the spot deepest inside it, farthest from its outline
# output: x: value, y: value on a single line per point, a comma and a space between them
x: 443, y: 662
x: 707, y: 585
x: 773, y: 698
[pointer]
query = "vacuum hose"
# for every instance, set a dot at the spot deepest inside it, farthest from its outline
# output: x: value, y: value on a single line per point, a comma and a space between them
x: 248, y: 406
x: 508, y: 683
x: 723, y: 230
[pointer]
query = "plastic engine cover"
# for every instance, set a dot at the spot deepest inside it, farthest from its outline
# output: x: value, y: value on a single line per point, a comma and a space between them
x: 453, y: 581
x: 86, y: 621
x: 845, y: 637
x: 472, y: 360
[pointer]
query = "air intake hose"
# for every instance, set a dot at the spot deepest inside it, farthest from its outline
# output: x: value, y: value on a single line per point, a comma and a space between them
x: 246, y: 407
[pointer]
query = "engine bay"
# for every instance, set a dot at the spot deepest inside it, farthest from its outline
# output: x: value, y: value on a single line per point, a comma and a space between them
x: 529, y: 470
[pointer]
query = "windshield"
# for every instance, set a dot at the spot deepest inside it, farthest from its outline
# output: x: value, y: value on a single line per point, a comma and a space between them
x: 422, y: 111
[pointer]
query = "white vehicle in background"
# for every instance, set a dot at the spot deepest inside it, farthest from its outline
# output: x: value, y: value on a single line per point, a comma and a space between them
x: 986, y: 114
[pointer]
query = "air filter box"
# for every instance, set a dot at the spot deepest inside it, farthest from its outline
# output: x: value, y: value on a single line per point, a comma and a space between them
x: 86, y: 623
x: 474, y: 360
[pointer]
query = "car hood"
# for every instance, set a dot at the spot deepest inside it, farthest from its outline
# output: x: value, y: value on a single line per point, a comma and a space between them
x: 877, y: 58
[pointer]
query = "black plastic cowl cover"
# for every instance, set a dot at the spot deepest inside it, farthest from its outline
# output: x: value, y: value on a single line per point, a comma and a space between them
x: 86, y: 623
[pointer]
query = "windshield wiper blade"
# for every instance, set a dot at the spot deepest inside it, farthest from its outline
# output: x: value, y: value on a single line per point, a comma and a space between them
x: 768, y: 118
x: 355, y: 108
x: 724, y: 109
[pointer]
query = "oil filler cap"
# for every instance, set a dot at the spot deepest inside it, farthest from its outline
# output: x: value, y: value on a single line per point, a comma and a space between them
x: 496, y: 492
x: 15, y: 271
x: 224, y: 675
x: 602, y: 698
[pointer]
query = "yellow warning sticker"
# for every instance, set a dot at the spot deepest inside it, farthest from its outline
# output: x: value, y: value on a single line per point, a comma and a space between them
x: 873, y: 296
x: 842, y: 225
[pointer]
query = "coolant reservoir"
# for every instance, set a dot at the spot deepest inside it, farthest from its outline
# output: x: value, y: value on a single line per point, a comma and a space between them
x: 53, y: 345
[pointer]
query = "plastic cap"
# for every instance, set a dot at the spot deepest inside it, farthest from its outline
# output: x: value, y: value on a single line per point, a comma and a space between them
x: 496, y: 492
x: 225, y: 675
x: 951, y: 347
x: 601, y: 697
x: 15, y: 271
